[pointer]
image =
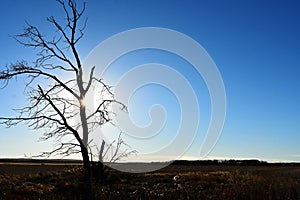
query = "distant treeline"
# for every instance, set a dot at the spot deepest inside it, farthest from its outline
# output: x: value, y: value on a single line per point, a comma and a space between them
x: 251, y: 162
x: 29, y: 160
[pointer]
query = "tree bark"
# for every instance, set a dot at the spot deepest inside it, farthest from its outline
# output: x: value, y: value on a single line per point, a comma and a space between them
x: 85, y: 131
x: 87, y: 173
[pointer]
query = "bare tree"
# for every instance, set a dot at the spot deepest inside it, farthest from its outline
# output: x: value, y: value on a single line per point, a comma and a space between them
x: 113, y: 152
x: 53, y: 102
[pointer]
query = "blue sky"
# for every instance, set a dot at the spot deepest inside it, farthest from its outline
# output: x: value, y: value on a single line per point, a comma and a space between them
x: 255, y: 44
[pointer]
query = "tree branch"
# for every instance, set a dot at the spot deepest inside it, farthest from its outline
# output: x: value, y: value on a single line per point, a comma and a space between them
x: 20, y: 68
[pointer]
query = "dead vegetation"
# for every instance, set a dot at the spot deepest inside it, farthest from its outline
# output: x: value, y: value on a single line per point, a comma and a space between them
x: 173, y: 182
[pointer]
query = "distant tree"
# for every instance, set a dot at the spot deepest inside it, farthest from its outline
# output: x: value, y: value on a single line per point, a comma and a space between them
x: 53, y: 102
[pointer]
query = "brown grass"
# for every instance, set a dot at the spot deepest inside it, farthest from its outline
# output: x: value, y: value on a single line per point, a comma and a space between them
x: 193, y: 182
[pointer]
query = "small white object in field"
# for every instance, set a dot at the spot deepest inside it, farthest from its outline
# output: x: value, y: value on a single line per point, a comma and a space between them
x: 176, y: 178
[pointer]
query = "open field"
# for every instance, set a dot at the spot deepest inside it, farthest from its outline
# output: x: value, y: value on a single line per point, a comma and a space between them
x: 64, y: 181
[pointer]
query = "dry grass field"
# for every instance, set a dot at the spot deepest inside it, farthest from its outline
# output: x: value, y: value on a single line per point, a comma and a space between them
x: 64, y: 181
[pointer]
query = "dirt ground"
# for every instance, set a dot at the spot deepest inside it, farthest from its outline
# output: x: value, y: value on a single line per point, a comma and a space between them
x: 64, y: 181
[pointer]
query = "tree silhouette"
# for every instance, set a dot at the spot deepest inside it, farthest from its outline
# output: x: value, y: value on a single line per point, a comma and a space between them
x: 53, y: 102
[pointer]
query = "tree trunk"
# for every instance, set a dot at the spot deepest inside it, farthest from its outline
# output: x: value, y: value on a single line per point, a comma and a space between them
x: 87, y: 173
x: 85, y: 131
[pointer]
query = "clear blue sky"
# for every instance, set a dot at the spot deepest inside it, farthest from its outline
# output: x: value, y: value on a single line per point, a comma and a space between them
x: 255, y: 44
